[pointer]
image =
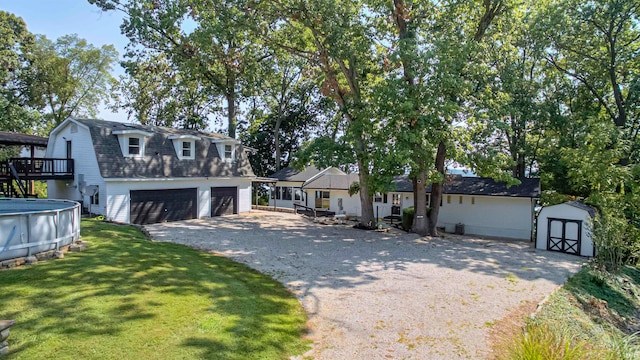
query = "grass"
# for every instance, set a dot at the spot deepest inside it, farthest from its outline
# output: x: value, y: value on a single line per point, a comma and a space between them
x: 129, y: 298
x: 586, y: 319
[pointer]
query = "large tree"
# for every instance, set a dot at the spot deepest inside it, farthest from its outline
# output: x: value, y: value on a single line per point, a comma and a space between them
x: 334, y: 37
x: 73, y: 77
x: 155, y: 92
x: 433, y: 59
x: 213, y: 41
x: 16, y: 75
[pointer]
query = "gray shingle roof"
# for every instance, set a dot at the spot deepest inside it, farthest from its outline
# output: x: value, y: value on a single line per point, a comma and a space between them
x: 332, y: 182
x: 160, y: 159
x: 11, y: 138
x: 456, y: 184
x: 581, y: 205
x: 291, y: 174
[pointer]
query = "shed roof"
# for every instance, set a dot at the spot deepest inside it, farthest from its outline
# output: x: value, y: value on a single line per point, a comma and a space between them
x: 581, y: 205
x: 160, y: 159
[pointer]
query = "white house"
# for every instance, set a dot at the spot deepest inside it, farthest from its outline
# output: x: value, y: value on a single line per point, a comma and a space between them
x: 288, y: 190
x: 566, y: 228
x: 329, y: 190
x: 145, y: 174
x: 482, y: 205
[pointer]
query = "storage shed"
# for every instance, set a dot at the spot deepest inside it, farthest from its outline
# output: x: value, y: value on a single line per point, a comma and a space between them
x: 566, y: 228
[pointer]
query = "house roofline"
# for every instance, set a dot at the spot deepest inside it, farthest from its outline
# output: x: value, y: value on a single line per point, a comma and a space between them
x: 179, y: 179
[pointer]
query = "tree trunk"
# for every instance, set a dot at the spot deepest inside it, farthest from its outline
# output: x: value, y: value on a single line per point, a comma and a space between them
x: 276, y: 137
x: 231, y: 113
x: 420, y: 219
x: 366, y: 199
x: 437, y: 189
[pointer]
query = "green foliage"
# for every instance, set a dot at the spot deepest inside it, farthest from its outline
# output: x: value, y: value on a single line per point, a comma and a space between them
x: 211, y: 44
x: 126, y: 297
x: 552, y: 197
x: 539, y: 343
x: 616, y: 235
x: 588, y: 313
x: 73, y: 77
x: 16, y: 75
x: 354, y: 188
x: 407, y: 217
x: 156, y: 93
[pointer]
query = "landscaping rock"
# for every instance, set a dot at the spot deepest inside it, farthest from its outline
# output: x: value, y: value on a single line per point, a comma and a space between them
x: 78, y: 246
x: 30, y: 260
x: 4, y: 334
x: 59, y: 254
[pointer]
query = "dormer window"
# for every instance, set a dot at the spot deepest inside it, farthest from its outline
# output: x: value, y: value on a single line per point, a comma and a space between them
x: 226, y: 148
x: 185, y: 146
x: 134, y: 146
x: 132, y: 141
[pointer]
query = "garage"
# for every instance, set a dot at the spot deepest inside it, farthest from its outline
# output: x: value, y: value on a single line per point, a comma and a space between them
x: 566, y: 228
x: 154, y: 206
x: 224, y: 201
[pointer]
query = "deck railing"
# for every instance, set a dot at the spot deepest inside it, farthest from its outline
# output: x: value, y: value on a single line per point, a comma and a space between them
x: 38, y: 167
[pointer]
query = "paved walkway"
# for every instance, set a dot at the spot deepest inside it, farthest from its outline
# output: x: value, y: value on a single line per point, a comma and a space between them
x: 394, y: 295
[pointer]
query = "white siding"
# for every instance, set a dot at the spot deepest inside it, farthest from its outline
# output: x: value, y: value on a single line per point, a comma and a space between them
x: 287, y: 203
x: 509, y: 217
x: 382, y: 209
x: 118, y: 194
x: 350, y: 204
x: 564, y: 211
x: 85, y: 163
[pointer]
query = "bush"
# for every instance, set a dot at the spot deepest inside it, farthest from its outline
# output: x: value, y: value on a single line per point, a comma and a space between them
x: 609, y: 238
x: 541, y: 343
x: 407, y: 218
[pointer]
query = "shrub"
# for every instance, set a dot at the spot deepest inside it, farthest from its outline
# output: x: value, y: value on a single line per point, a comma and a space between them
x: 407, y: 218
x: 541, y: 343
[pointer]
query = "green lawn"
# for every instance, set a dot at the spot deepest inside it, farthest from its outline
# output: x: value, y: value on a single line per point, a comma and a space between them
x: 129, y: 298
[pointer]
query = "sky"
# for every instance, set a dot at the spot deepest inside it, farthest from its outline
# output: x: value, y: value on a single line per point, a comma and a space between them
x: 55, y: 18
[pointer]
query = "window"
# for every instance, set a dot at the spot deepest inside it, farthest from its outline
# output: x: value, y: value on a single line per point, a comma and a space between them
x: 286, y: 193
x: 428, y: 200
x: 134, y: 146
x: 322, y: 199
x: 228, y: 152
x: 278, y: 192
x: 95, y: 198
x: 69, y: 152
x: 186, y: 149
x: 381, y: 198
x: 396, y: 199
x: 297, y: 195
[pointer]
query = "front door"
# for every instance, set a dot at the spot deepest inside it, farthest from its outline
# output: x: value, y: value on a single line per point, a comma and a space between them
x: 564, y: 235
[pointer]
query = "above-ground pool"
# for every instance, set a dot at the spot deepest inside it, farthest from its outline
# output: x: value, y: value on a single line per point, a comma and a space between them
x: 32, y: 226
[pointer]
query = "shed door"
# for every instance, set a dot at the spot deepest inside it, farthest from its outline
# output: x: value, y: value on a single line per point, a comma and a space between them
x: 564, y: 235
x: 154, y: 206
x: 224, y: 201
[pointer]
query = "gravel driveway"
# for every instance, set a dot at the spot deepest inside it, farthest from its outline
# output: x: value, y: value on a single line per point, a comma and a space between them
x: 393, y: 295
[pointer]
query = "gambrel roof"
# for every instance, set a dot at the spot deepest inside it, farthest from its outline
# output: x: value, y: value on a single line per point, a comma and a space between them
x: 160, y: 159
